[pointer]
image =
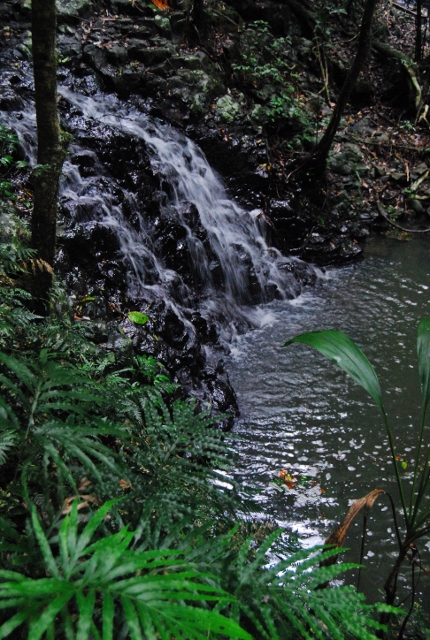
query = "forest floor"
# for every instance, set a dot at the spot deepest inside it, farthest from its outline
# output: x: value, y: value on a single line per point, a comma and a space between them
x: 378, y: 169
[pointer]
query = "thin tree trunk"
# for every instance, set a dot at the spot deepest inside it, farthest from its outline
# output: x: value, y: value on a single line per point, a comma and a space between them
x: 50, y: 153
x: 320, y: 155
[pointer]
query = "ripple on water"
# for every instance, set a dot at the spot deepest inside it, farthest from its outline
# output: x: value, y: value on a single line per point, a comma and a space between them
x: 301, y: 416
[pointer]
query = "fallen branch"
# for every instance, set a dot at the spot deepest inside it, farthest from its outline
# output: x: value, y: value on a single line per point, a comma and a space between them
x: 394, y: 224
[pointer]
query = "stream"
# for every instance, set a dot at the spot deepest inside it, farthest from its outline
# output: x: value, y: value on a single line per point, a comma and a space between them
x: 302, y: 418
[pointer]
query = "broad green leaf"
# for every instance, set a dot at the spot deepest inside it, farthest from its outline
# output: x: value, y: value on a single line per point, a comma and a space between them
x: 21, y: 371
x: 132, y: 619
x: 341, y: 350
x: 63, y: 545
x: 72, y: 532
x: 194, y: 621
x: 30, y: 589
x: 137, y: 317
x: 58, y: 459
x: 11, y: 575
x: 423, y: 347
x: 7, y: 603
x: 16, y: 390
x: 146, y: 621
x: 8, y: 419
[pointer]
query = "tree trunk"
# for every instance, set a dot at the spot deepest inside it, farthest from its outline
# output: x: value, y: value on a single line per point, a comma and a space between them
x: 318, y: 161
x: 50, y: 153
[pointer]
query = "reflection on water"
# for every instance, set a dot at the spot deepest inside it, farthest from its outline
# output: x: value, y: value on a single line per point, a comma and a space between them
x: 302, y: 418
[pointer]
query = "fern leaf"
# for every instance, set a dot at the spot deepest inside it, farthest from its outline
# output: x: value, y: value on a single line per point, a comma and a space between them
x: 8, y: 440
x: 23, y: 373
x: 108, y: 613
x: 14, y: 388
x: 8, y: 627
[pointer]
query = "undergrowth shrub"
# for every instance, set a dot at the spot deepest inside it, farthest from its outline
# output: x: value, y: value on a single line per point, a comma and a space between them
x: 264, y: 70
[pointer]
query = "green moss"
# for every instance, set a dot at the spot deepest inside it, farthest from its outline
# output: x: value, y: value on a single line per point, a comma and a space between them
x: 229, y: 107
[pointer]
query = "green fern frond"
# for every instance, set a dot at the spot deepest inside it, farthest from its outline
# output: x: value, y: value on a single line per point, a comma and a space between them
x: 8, y: 439
x: 154, y: 593
x: 283, y: 600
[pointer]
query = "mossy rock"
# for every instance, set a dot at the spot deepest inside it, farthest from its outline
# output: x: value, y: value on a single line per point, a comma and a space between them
x: 68, y: 10
x: 229, y: 108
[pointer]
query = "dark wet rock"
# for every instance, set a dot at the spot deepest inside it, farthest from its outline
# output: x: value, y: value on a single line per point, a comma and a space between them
x: 379, y: 171
x: 239, y: 161
x: 289, y: 224
x: 102, y: 240
x: 207, y: 332
x: 223, y: 400
x: 73, y: 10
x: 173, y: 330
x: 9, y: 99
x: 151, y: 56
x: 86, y: 161
x: 325, y: 248
x: 121, y: 345
x: 348, y: 162
x: 419, y: 169
x: 174, y: 242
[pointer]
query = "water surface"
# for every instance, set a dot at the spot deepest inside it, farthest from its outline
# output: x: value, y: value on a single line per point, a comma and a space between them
x: 302, y: 418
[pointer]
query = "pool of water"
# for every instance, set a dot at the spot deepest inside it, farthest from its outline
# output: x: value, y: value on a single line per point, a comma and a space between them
x: 303, y: 419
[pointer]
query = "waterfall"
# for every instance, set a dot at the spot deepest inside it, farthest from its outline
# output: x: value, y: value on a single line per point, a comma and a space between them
x: 232, y: 265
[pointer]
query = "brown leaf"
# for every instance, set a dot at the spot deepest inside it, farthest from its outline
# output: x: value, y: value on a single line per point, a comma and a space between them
x: 84, y: 483
x: 337, y: 537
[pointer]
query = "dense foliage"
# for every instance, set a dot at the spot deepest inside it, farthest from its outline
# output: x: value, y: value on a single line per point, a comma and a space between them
x: 118, y: 518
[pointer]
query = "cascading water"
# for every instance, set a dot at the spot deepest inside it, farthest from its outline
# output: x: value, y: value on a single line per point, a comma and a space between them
x: 231, y: 262
x: 225, y: 243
